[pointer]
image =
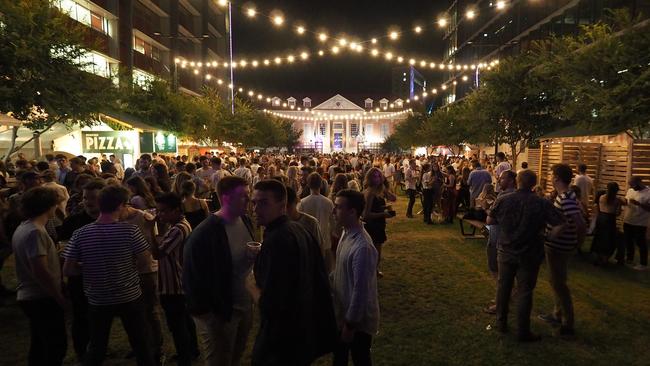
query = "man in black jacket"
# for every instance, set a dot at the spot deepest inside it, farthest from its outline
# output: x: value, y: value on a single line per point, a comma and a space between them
x: 216, y: 265
x: 297, y: 323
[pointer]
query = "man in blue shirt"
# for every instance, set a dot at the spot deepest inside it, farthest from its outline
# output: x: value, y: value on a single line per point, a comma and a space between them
x: 477, y: 179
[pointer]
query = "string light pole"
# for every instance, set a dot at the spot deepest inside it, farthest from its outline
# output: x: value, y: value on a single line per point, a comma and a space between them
x: 232, y: 74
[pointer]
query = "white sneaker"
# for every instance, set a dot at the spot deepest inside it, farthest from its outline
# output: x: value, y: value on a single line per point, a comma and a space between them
x: 640, y: 267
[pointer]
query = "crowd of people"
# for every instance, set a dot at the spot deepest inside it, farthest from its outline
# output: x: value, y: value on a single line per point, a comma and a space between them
x: 205, y: 240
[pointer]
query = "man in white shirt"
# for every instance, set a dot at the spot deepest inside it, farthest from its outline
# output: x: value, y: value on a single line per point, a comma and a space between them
x: 411, y: 179
x: 635, y: 223
x: 389, y: 173
x: 219, y: 172
x: 205, y: 171
x: 319, y: 207
x: 585, y: 183
x: 244, y: 172
x: 356, y: 301
x: 502, y: 166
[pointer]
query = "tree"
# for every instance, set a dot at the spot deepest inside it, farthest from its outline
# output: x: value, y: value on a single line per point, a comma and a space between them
x: 406, y: 133
x: 42, y: 63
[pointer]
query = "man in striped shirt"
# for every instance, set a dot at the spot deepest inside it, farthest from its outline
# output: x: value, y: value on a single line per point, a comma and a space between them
x: 169, y: 253
x: 560, y: 248
x: 106, y: 253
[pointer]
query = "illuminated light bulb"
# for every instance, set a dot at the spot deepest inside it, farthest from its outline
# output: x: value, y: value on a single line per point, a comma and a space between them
x: 219, y: 81
x: 225, y: 64
x: 501, y: 4
x: 322, y: 37
x: 266, y: 62
x: 234, y: 65
x: 208, y: 77
x: 278, y: 60
x: 465, y: 77
x: 415, y: 97
x: 424, y: 94
x: 411, y: 62
x: 400, y: 59
x: 432, y: 65
x: 278, y: 20
x: 230, y: 86
x: 183, y: 66
x: 177, y: 60
x: 408, y: 101
x: 496, y: 61
x: 489, y: 68
x: 284, y: 105
x: 343, y: 42
x: 254, y: 63
x: 423, y: 63
x: 444, y: 87
x: 268, y: 100
x: 470, y: 14
x: 196, y: 72
x: 243, y: 63
x: 418, y: 29
x: 250, y: 93
x: 389, y: 56
x: 321, y: 53
x: 241, y: 90
x: 442, y: 22
x: 222, y: 2
x: 359, y: 48
x: 300, y: 30
x: 472, y: 66
x: 434, y: 91
x: 455, y: 82
x: 464, y: 67
x: 192, y: 63
x: 291, y: 59
x: 215, y: 64
x: 335, y: 50
x: 259, y: 96
x: 458, y: 67
x: 450, y: 67
x: 251, y: 12
x: 393, y: 35
x: 353, y: 46
x: 441, y: 67
x: 373, y: 41
x: 304, y: 55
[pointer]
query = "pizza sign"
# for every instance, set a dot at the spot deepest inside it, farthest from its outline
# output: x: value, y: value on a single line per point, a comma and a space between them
x: 107, y: 141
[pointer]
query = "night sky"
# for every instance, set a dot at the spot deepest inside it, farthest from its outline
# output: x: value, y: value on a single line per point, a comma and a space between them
x: 356, y: 76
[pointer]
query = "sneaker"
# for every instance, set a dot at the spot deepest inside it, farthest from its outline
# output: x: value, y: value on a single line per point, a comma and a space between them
x: 549, y: 318
x: 640, y: 267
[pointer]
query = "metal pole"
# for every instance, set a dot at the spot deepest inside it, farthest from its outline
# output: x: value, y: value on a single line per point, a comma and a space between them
x: 232, y: 74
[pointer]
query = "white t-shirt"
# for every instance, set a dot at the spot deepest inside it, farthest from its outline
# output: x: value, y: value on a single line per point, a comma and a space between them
x: 410, y: 177
x: 389, y: 171
x: 244, y: 173
x: 321, y: 208
x: 216, y: 177
x: 634, y: 214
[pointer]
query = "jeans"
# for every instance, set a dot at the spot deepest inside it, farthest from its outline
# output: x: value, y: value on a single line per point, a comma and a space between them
x: 133, y: 319
x: 181, y: 326
x: 525, y: 271
x: 491, y: 250
x: 223, y: 342
x: 558, y: 263
x: 80, y: 328
x: 149, y: 285
x: 427, y: 203
x: 359, y: 349
x: 635, y: 235
x: 411, y: 194
x: 48, y: 341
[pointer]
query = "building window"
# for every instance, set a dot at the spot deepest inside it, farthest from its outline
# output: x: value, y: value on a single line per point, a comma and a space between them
x: 291, y: 102
x: 368, y: 103
x: 384, y: 130
x: 306, y: 103
x: 84, y: 15
x: 141, y: 78
x: 367, y: 130
x: 97, y: 64
x: 146, y: 48
x: 354, y: 129
x: 307, y: 132
x: 338, y: 126
x: 322, y: 127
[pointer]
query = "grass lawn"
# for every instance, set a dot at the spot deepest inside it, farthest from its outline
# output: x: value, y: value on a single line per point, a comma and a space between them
x: 431, y: 297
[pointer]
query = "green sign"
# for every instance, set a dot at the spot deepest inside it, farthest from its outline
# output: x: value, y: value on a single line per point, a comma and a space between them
x: 160, y: 142
x: 107, y: 142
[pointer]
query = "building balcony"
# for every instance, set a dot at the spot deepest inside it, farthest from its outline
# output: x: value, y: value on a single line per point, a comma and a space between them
x: 98, y: 41
x: 149, y: 65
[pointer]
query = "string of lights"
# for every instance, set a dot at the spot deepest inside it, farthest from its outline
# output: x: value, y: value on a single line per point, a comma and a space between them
x: 321, y: 116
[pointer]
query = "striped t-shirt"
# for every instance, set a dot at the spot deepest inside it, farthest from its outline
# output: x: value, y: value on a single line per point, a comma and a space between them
x: 170, y: 266
x: 107, y: 253
x: 567, y: 240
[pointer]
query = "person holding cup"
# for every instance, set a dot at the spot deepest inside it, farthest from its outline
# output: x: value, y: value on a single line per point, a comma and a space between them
x: 218, y: 258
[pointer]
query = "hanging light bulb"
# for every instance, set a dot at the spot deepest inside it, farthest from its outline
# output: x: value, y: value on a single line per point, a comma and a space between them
x: 300, y: 30
x: 322, y: 37
x: 251, y: 12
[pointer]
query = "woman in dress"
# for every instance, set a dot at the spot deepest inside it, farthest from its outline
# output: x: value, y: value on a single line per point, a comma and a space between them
x: 375, y: 213
x: 141, y: 198
x: 449, y: 195
x: 608, y: 207
x: 195, y: 209
x: 463, y: 189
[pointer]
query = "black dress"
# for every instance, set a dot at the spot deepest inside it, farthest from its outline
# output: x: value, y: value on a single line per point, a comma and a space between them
x: 377, y: 227
x: 604, y: 242
x: 195, y: 217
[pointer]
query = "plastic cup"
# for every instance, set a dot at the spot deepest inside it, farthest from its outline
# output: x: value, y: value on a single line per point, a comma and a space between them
x: 253, y: 248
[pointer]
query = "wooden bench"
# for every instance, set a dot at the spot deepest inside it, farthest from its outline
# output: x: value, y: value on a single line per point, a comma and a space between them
x: 474, y: 224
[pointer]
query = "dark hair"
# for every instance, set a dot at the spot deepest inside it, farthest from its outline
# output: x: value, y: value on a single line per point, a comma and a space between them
x: 612, y: 191
x: 292, y: 197
x: 563, y: 172
x: 582, y: 168
x: 111, y: 197
x: 94, y: 184
x: 314, y: 181
x: 271, y: 185
x: 354, y: 200
x: 510, y: 174
x: 229, y: 183
x: 37, y: 201
x: 215, y: 160
x: 42, y: 166
x: 142, y: 190
x: 190, y: 167
x: 501, y: 155
x: 81, y: 180
x: 187, y: 188
x: 145, y: 157
x: 524, y: 165
x: 170, y: 200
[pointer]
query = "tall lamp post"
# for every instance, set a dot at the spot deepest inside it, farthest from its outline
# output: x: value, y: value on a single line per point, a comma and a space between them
x: 232, y: 74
